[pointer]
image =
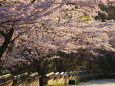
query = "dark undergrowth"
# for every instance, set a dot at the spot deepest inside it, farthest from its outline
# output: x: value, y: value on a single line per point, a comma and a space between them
x: 110, y: 10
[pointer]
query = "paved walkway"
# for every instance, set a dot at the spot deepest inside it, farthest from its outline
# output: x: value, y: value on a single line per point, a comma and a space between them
x: 103, y: 82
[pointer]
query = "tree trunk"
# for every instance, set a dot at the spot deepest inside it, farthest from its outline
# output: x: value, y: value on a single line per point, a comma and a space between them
x: 6, y: 42
x: 4, y: 46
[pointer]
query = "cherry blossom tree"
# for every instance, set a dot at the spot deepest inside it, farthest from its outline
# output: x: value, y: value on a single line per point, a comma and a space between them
x: 59, y: 31
x: 17, y: 17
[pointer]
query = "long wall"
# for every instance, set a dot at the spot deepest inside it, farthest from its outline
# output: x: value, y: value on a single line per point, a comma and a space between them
x: 71, y: 78
x: 20, y: 80
x: 52, y: 79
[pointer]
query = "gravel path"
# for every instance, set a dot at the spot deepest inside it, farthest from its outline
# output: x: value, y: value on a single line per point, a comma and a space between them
x: 103, y: 82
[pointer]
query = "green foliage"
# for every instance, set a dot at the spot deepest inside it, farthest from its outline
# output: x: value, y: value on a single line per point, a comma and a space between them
x: 55, y: 85
x: 102, y: 7
x: 76, y: 81
x: 81, y: 67
x: 101, y: 17
x: 85, y: 18
x: 67, y: 16
x: 58, y: 85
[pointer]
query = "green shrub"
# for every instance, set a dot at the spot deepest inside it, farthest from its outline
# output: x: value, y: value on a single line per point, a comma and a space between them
x: 73, y: 82
x: 102, y: 7
x: 101, y: 17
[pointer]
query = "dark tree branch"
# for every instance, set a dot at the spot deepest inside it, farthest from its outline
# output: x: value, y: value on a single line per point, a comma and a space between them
x: 2, y: 33
x: 33, y: 1
x: 17, y: 36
